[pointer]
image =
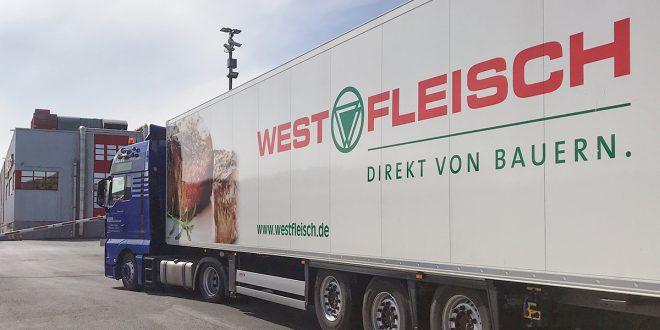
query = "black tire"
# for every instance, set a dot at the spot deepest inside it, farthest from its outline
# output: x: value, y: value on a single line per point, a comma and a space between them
x: 128, y: 270
x: 333, y: 300
x: 465, y: 306
x: 386, y: 295
x: 212, y: 282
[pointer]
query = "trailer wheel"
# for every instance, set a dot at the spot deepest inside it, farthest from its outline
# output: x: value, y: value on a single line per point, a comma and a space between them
x: 129, y: 272
x: 212, y: 282
x: 333, y: 302
x: 455, y: 308
x: 386, y: 306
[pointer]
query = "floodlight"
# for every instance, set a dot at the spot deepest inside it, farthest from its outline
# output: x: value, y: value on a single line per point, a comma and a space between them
x: 230, y: 47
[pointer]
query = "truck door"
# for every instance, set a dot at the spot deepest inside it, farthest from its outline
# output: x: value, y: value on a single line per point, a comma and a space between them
x: 124, y: 209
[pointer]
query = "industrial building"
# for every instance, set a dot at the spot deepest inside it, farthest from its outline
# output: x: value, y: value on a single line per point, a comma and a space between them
x: 51, y: 169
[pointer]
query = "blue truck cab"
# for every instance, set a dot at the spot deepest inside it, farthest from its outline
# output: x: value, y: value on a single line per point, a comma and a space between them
x: 134, y: 199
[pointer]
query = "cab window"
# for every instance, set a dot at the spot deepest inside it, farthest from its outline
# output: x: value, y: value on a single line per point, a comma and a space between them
x: 120, y: 189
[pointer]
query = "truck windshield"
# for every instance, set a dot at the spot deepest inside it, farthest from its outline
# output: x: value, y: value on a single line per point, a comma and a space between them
x: 120, y: 189
x: 121, y: 167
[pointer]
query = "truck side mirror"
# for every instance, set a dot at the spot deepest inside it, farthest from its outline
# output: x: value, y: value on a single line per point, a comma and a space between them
x: 101, y: 193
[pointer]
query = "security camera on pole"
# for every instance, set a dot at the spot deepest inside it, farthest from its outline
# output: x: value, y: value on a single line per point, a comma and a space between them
x: 230, y: 46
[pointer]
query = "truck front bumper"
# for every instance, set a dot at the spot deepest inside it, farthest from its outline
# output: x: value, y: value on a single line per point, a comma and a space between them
x: 110, y: 270
x: 115, y: 248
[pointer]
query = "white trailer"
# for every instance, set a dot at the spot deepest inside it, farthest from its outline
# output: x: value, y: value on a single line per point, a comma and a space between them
x: 431, y: 164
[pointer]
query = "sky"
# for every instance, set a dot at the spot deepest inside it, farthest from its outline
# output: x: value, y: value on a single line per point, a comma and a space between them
x: 148, y: 61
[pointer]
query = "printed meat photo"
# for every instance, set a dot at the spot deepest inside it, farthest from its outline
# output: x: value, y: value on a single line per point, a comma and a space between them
x: 225, y: 189
x: 190, y: 170
x: 173, y: 173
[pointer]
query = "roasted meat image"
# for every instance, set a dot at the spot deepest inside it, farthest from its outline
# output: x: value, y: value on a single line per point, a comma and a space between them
x: 190, y: 166
x: 225, y: 190
x: 173, y: 174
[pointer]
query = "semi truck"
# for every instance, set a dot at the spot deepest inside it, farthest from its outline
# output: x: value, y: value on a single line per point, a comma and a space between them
x: 442, y: 166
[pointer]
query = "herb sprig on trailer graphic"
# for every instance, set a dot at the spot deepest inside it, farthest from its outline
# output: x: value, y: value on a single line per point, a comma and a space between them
x: 183, y: 222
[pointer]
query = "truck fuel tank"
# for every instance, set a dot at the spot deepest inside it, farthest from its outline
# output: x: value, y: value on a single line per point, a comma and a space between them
x: 177, y: 273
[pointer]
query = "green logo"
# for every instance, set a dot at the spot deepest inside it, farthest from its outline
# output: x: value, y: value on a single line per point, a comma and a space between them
x: 347, y: 119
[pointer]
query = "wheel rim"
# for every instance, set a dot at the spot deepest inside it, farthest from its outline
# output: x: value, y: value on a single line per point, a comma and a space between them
x: 127, y: 270
x: 461, y: 313
x: 210, y: 282
x: 385, y: 313
x: 331, y: 299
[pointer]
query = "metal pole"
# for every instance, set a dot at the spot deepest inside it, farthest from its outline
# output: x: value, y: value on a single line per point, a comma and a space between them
x: 82, y: 178
x: 230, y: 58
x: 229, y: 49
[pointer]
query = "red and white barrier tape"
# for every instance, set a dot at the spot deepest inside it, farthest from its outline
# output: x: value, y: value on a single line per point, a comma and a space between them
x: 54, y: 225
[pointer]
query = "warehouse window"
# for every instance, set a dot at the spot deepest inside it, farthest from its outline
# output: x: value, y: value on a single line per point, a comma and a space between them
x: 111, y: 151
x: 99, y: 153
x: 106, y: 151
x: 39, y: 180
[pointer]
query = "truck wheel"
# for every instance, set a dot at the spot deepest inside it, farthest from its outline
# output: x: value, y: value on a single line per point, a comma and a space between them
x: 129, y: 272
x: 459, y: 309
x: 386, y: 306
x: 332, y: 300
x: 212, y: 283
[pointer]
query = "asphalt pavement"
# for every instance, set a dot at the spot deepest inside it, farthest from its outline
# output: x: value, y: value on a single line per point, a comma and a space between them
x: 60, y: 285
